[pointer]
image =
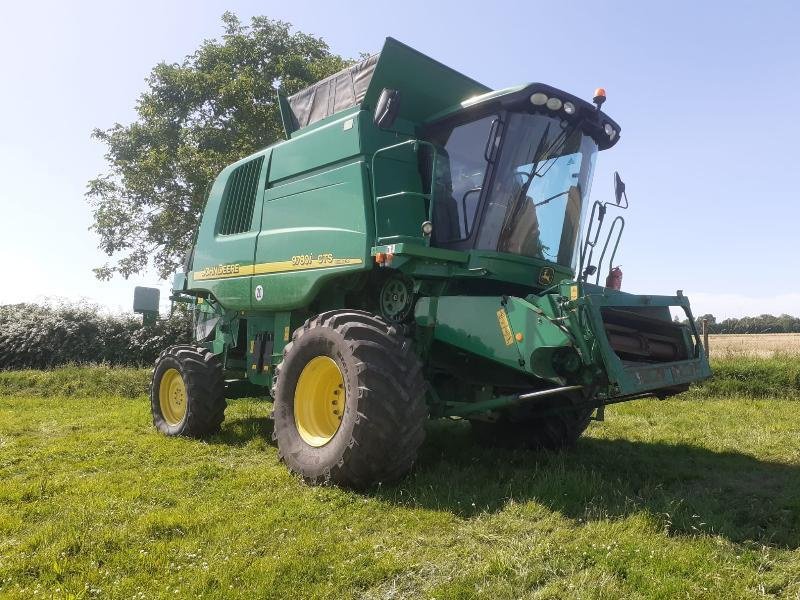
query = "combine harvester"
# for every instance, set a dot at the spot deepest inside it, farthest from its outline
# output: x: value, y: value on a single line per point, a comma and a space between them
x: 413, y: 250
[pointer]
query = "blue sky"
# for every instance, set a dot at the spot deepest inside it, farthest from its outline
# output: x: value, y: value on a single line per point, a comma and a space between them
x: 703, y: 92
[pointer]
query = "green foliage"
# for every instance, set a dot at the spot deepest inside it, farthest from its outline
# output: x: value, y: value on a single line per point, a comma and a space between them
x: 760, y: 324
x: 665, y: 499
x: 195, y: 118
x: 36, y: 336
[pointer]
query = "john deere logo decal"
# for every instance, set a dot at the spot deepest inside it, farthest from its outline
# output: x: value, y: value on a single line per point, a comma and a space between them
x: 505, y: 327
x: 546, y: 276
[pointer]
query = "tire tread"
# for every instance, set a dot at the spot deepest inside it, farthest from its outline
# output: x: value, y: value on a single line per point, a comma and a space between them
x: 205, y: 386
x: 390, y: 423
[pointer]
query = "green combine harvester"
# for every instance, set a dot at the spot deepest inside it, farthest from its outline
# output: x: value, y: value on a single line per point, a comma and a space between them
x: 413, y: 249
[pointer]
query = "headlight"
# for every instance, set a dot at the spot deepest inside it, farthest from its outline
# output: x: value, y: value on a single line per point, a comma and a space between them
x: 554, y: 103
x: 538, y: 99
x: 569, y: 108
x: 610, y: 131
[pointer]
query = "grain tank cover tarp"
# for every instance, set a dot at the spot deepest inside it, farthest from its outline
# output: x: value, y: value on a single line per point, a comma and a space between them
x: 426, y: 86
x: 340, y: 91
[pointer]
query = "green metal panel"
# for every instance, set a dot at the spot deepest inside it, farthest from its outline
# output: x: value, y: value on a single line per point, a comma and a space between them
x: 286, y: 117
x: 417, y: 260
x: 635, y: 378
x: 526, y: 335
x: 509, y: 330
x: 427, y: 85
x: 418, y: 251
x: 537, y: 337
x: 400, y: 205
x: 259, y: 324
x: 221, y: 262
x: 313, y: 229
x: 319, y: 218
x: 471, y: 324
x: 334, y: 140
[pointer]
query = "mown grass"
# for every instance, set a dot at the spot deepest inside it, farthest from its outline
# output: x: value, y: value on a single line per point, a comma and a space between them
x: 71, y: 381
x: 734, y: 375
x: 683, y: 497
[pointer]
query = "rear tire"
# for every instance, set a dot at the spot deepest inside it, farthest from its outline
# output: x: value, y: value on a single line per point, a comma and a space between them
x: 349, y: 401
x: 554, y: 431
x: 187, y: 392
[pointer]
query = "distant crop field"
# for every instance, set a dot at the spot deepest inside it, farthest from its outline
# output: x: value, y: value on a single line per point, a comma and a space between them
x: 755, y: 344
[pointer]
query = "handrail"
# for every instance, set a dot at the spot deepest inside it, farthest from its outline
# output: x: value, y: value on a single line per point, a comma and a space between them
x: 617, y: 219
x: 587, y: 249
x: 415, y: 143
x: 464, y: 207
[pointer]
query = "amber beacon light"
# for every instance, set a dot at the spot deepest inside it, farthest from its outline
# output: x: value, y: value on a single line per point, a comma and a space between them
x: 599, y: 97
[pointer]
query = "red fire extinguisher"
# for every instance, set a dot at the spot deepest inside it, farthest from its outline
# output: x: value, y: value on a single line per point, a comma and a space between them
x: 614, y: 279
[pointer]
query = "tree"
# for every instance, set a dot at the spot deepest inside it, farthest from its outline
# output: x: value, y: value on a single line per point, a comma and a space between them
x: 195, y: 118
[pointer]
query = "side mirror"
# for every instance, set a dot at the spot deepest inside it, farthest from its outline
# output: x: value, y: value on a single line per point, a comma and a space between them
x: 387, y: 108
x: 619, y: 189
x: 145, y: 301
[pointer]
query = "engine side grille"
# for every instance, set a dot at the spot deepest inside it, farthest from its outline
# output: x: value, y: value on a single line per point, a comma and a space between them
x: 239, y: 198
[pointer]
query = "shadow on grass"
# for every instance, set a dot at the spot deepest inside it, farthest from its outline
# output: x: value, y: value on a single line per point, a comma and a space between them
x: 686, y: 489
x: 242, y: 430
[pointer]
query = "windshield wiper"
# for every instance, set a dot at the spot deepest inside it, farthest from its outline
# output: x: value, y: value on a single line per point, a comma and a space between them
x: 516, y: 202
x: 546, y: 200
x: 536, y: 171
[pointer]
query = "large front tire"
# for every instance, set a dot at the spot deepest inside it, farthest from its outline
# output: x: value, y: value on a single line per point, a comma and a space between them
x: 187, y: 392
x: 349, y: 401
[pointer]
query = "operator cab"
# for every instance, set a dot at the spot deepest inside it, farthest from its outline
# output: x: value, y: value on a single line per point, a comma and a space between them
x: 514, y: 171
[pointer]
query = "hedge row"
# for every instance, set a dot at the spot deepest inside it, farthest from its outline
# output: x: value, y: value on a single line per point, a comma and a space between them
x: 35, y: 336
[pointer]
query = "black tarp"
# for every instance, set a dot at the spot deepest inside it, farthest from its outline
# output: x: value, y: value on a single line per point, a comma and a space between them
x: 427, y: 86
x: 340, y: 91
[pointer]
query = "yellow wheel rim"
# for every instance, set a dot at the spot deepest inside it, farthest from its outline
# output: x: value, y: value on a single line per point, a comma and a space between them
x: 319, y: 401
x: 172, y: 397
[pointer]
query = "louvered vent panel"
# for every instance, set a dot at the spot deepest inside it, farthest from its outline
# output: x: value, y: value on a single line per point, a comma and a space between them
x: 240, y: 198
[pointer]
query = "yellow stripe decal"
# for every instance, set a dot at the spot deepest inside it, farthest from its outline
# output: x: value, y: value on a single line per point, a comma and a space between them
x: 296, y: 263
x: 301, y: 263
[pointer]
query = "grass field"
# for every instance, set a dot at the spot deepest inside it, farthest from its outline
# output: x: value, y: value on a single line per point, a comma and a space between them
x: 687, y: 497
x: 761, y: 345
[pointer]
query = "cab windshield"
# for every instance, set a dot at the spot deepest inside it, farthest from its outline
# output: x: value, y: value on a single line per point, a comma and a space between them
x: 539, y: 187
x: 539, y: 190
